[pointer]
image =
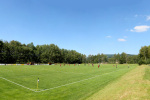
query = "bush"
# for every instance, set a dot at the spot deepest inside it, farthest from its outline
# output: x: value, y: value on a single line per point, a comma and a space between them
x: 142, y: 62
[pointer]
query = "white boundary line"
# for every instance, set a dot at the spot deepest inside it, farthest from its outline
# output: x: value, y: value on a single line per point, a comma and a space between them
x: 35, y: 90
x: 17, y: 84
x: 75, y: 82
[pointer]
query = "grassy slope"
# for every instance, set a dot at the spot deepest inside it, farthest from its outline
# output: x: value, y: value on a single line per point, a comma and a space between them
x: 132, y: 86
x: 53, y: 76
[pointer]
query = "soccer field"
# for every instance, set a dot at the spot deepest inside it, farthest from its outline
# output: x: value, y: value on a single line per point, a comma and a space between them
x: 57, y: 82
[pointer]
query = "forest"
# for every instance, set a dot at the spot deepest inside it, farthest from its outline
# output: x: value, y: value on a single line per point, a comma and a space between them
x: 16, y: 52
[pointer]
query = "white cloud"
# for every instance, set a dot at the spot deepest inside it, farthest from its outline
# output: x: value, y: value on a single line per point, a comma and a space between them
x: 125, y: 37
x: 121, y: 40
x: 148, y: 18
x: 141, y: 28
x: 108, y: 36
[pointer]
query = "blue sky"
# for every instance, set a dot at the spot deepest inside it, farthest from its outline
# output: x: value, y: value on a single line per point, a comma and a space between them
x: 87, y: 26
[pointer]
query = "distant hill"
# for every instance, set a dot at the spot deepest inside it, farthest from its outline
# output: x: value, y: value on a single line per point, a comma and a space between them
x: 111, y: 55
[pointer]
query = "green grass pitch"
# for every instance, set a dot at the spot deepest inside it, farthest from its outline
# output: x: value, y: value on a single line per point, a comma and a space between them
x: 55, y: 82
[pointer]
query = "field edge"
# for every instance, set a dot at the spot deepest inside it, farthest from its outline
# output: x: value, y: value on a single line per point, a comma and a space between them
x: 132, y: 85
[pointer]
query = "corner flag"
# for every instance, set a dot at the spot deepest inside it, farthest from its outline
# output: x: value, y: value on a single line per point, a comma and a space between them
x: 37, y: 83
x: 38, y: 80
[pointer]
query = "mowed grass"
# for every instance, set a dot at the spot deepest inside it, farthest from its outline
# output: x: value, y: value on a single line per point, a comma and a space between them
x: 147, y: 73
x: 134, y: 85
x: 57, y: 83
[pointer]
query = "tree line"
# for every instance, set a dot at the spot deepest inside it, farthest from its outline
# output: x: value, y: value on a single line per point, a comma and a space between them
x: 16, y: 52
x: 116, y: 58
x: 144, y: 55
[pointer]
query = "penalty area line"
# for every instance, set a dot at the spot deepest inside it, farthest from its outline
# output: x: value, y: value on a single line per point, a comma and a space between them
x: 76, y: 81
